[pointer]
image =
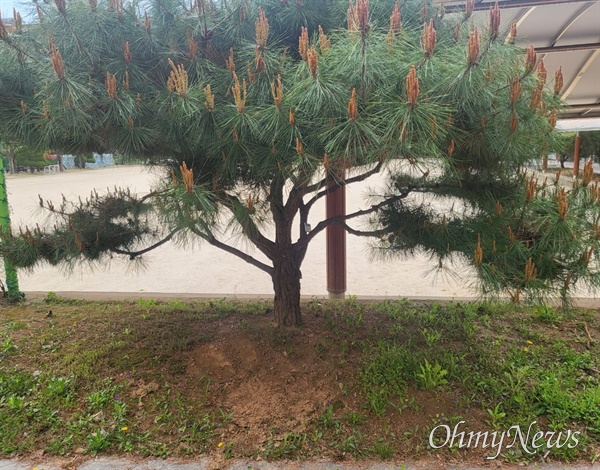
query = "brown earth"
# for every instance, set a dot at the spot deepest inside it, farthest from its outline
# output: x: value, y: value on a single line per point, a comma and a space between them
x: 274, y: 383
x: 276, y: 393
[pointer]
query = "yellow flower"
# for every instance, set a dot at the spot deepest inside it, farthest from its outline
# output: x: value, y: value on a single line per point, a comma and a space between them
x: 124, y: 428
x: 220, y: 444
x: 526, y: 349
x: 529, y: 342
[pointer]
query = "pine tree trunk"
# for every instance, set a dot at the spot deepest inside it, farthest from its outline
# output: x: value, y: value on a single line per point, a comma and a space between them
x: 286, y: 284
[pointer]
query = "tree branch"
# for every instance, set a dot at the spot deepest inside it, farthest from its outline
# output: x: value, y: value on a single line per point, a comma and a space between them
x: 265, y: 245
x: 210, y: 238
x: 150, y: 195
x: 303, y: 218
x: 376, y: 169
x: 361, y: 233
x: 19, y: 50
x: 342, y: 218
x: 305, y: 207
x: 135, y: 254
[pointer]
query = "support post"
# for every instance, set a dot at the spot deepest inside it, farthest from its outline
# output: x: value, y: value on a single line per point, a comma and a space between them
x: 576, y: 155
x: 336, y: 242
x: 12, y: 280
x: 545, y: 163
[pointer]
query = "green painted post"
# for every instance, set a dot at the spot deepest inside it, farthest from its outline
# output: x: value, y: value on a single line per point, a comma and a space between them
x: 12, y: 280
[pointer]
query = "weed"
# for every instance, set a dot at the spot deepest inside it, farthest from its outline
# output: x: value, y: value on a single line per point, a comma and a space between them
x: 352, y: 444
x: 496, y: 416
x: 15, y: 325
x: 228, y: 450
x: 98, y: 441
x: 384, y: 376
x: 326, y: 419
x: 59, y: 387
x: 161, y: 449
x: 15, y: 403
x: 383, y: 449
x: 177, y: 304
x: 225, y: 417
x: 320, y: 348
x: 378, y: 401
x: 8, y: 346
x: 290, y: 445
x: 431, y: 336
x: 147, y: 302
x: 352, y: 319
x: 354, y: 419
x: 119, y: 411
x: 546, y: 314
x: 101, y: 398
x: 431, y: 376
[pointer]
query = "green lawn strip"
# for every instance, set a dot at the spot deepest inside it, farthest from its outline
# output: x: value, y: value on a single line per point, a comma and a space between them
x: 110, y: 377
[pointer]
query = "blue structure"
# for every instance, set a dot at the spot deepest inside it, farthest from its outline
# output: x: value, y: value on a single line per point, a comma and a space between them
x: 102, y: 160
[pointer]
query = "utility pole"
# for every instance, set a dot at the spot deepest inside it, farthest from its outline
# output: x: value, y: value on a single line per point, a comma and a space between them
x: 12, y: 280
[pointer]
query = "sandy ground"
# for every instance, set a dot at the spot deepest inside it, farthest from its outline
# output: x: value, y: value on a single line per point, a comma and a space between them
x: 208, y: 270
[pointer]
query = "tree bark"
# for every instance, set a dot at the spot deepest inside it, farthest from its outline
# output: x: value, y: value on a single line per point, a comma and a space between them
x: 59, y: 159
x: 286, y: 284
x: 12, y: 166
x: 285, y: 257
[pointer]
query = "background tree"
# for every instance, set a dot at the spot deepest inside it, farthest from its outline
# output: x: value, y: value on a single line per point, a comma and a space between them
x: 22, y: 156
x: 589, y: 147
x: 8, y: 151
x: 30, y: 157
x: 260, y: 108
x: 82, y: 159
x: 590, y: 144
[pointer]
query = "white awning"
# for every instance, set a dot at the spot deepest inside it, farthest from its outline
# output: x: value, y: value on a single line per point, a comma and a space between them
x: 574, y: 125
x: 564, y: 33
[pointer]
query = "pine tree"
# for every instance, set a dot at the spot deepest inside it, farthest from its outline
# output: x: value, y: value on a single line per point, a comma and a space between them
x: 258, y: 109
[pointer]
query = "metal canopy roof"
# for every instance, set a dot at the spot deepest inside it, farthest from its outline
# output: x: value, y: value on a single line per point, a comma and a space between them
x: 576, y: 125
x: 565, y: 33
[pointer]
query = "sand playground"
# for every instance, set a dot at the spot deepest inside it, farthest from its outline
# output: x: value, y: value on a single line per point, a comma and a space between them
x: 203, y: 269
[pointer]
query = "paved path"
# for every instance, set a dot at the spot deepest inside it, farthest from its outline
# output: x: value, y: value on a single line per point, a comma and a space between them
x: 208, y: 464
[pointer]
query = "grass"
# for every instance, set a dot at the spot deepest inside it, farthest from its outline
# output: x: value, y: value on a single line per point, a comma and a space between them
x: 114, y: 377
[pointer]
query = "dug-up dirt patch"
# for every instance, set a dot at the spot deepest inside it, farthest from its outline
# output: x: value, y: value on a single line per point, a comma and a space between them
x: 274, y: 383
x: 269, y: 390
